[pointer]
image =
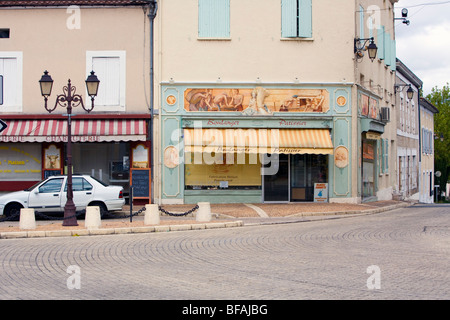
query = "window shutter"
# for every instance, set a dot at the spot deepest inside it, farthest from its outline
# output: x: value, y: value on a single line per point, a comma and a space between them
x: 288, y: 18
x: 386, y: 161
x: 393, y: 55
x: 380, y: 43
x: 108, y: 70
x: 361, y: 22
x: 305, y: 19
x: 214, y: 18
x: 1, y: 89
x: 8, y: 69
x: 387, y: 49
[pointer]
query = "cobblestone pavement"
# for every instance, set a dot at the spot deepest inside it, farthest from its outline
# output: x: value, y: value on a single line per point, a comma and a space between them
x: 304, y: 260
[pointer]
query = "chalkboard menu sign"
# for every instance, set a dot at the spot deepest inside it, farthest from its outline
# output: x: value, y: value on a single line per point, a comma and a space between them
x: 140, y: 180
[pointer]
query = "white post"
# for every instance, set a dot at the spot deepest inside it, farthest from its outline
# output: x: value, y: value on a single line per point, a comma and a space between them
x: 203, y: 212
x: 151, y: 214
x: 92, y: 219
x: 27, y: 219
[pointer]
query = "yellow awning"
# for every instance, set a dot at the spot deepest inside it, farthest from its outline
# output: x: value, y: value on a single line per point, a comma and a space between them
x: 288, y: 141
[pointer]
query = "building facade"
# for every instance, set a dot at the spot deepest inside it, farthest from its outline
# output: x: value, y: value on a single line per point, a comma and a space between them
x: 408, y: 130
x: 285, y: 106
x: 426, y: 166
x: 110, y: 143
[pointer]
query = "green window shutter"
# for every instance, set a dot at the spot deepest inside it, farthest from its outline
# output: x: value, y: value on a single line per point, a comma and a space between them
x: 289, y: 18
x: 361, y: 22
x: 393, y: 55
x: 214, y: 18
x: 386, y: 154
x: 387, y: 49
x: 305, y: 19
x: 383, y: 157
x: 380, y: 43
x: 296, y: 18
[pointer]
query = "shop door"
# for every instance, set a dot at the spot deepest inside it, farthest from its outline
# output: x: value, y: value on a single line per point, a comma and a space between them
x: 276, y: 186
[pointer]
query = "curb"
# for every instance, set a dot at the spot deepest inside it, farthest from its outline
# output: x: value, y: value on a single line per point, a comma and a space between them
x: 123, y: 230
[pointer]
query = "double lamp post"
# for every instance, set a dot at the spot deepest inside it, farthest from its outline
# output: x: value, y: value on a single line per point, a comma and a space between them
x: 69, y: 99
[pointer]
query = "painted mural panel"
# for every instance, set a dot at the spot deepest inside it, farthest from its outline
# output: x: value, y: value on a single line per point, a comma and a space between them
x: 256, y: 101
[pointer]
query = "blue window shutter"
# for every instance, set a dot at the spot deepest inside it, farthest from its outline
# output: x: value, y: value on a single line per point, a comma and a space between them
x: 305, y: 19
x: 393, y: 55
x: 386, y: 161
x: 214, y: 18
x: 361, y: 22
x: 289, y: 18
x: 387, y: 49
x: 380, y: 43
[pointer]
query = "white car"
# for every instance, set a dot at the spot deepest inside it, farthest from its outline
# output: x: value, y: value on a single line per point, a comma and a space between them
x: 50, y: 195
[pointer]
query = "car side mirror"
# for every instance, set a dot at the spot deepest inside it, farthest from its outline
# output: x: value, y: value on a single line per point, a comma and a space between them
x: 36, y: 190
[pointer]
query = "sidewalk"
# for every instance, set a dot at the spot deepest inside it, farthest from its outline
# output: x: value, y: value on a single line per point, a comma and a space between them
x: 223, y: 216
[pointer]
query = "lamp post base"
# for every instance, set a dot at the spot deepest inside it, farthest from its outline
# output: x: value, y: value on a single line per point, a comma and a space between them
x: 70, y: 219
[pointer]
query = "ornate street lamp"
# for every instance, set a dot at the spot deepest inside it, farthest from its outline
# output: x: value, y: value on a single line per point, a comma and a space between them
x: 69, y: 99
x: 358, y: 48
x: 409, y: 92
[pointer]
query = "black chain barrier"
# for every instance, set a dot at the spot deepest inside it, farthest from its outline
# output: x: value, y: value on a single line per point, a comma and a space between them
x: 16, y: 216
x: 178, y: 214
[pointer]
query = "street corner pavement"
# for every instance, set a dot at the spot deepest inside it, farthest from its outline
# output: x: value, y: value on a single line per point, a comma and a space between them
x: 223, y: 216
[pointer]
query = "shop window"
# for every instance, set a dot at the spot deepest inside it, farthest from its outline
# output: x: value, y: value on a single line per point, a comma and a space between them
x: 296, y: 18
x: 109, y: 66
x: 239, y: 172
x: 214, y: 18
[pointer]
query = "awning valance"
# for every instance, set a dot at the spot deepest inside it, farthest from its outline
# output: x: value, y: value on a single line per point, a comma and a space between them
x: 103, y: 130
x: 287, y: 141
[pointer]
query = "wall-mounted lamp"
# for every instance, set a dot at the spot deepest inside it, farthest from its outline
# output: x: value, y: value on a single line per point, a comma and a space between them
x: 404, y: 16
x: 371, y: 48
x: 409, y: 92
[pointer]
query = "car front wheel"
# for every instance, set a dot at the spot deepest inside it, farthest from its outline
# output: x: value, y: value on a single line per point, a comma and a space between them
x: 12, y: 211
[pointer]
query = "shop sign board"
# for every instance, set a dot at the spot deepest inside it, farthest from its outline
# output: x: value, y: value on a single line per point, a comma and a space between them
x: 320, y: 192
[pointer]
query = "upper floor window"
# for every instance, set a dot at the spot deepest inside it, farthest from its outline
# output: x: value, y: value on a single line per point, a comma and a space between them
x: 110, y: 68
x: 214, y: 18
x: 296, y: 18
x: 11, y: 84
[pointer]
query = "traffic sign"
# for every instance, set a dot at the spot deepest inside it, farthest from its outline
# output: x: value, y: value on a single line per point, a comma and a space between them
x: 3, y: 125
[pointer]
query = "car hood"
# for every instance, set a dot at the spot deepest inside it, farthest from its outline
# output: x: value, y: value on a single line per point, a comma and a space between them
x: 18, y: 195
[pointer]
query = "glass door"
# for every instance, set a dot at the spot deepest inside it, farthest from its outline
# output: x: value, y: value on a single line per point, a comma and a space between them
x: 276, y: 186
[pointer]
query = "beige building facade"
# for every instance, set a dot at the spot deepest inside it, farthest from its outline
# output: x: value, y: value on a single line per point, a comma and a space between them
x: 426, y: 167
x: 69, y: 41
x: 301, y: 64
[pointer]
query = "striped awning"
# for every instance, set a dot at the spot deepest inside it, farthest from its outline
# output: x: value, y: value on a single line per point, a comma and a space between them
x: 82, y: 130
x: 287, y: 141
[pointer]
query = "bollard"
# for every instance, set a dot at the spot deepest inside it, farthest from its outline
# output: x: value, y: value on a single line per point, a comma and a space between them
x: 151, y: 214
x: 27, y: 219
x: 203, y: 212
x: 92, y: 219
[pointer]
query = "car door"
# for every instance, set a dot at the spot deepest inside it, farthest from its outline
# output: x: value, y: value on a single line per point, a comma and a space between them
x: 83, y: 192
x: 47, y: 196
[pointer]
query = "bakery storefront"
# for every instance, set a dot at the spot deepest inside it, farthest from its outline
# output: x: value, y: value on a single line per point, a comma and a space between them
x: 107, y: 149
x: 247, y: 145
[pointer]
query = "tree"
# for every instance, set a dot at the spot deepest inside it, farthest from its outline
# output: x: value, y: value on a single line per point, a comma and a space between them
x: 440, y: 98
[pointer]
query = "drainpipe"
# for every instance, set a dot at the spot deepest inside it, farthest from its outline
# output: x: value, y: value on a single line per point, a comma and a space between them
x: 153, y: 6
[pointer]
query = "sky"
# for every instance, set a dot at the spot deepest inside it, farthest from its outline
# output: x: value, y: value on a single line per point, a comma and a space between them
x: 424, y: 45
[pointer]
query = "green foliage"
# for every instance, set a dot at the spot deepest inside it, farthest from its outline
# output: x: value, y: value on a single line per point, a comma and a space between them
x: 440, y: 98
